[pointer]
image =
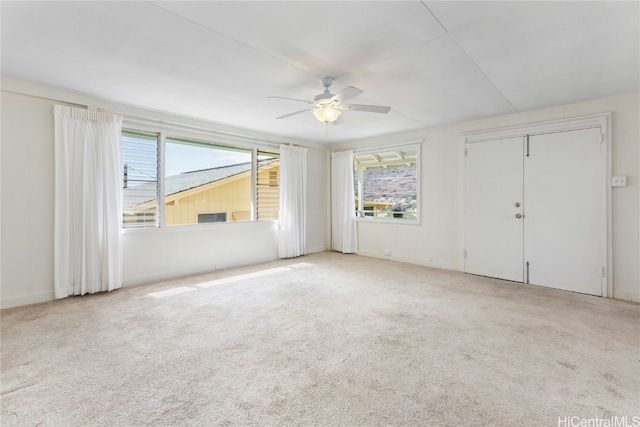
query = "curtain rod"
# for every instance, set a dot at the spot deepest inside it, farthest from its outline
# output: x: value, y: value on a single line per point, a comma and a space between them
x: 149, y: 121
x: 145, y: 121
x: 46, y: 98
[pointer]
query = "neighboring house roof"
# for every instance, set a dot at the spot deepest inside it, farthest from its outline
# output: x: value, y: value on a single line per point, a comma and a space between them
x: 139, y: 194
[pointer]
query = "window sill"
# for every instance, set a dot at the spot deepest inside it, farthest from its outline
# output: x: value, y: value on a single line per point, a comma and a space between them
x: 396, y: 221
x: 200, y: 227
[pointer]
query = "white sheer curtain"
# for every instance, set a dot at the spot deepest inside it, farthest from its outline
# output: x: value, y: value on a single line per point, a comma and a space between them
x: 88, y: 201
x: 292, y: 228
x: 344, y: 229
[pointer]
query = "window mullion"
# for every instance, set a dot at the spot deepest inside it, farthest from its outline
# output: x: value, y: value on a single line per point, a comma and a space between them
x: 360, y: 193
x: 254, y: 184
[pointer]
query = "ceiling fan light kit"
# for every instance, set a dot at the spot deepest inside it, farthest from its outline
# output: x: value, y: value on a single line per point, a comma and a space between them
x: 327, y: 113
x: 327, y: 107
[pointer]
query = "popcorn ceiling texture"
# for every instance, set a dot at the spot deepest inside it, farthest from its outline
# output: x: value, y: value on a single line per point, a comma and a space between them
x: 338, y: 340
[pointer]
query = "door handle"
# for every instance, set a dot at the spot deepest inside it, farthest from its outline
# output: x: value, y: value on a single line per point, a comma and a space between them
x: 518, y: 215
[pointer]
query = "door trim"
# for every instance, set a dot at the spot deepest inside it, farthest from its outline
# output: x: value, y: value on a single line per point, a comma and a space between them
x: 602, y: 121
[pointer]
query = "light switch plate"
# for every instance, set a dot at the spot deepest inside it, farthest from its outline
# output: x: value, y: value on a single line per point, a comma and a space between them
x: 619, y: 181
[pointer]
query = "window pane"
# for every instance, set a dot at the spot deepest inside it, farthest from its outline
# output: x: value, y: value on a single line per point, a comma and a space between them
x: 202, y: 178
x: 386, y: 184
x: 140, y: 179
x: 268, y: 185
x: 212, y: 217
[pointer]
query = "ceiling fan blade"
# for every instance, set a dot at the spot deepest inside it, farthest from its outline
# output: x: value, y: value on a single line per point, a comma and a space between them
x: 291, y: 99
x: 347, y: 93
x: 367, y: 108
x: 338, y: 121
x: 293, y: 114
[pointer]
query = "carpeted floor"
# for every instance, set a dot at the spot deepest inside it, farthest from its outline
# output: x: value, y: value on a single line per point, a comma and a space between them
x: 327, y: 340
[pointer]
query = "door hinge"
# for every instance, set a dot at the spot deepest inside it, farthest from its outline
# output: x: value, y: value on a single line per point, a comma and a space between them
x: 466, y: 152
x: 464, y: 253
x: 527, y: 145
x: 527, y: 274
x: 603, y: 271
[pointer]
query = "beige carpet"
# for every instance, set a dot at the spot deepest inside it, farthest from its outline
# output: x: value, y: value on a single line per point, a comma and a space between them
x: 326, y: 339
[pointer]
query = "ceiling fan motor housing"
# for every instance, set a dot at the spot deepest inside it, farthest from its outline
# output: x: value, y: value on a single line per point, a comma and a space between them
x: 326, y: 82
x: 323, y: 98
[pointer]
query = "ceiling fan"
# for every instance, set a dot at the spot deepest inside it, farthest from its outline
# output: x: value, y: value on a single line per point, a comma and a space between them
x: 327, y: 107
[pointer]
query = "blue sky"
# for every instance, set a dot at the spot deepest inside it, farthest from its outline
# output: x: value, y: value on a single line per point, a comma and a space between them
x: 183, y: 158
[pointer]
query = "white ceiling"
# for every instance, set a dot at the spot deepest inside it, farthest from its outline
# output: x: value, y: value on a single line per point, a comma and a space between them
x: 432, y: 62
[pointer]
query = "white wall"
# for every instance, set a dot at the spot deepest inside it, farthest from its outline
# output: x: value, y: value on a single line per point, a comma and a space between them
x: 26, y: 266
x: 318, y: 201
x: 438, y: 240
x: 26, y: 179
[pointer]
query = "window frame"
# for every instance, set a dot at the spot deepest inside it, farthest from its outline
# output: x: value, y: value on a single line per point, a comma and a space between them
x: 207, y: 144
x: 202, y: 136
x: 359, y: 190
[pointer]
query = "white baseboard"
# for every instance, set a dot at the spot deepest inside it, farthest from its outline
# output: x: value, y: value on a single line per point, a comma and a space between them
x: 258, y: 260
x: 412, y: 260
x: 201, y: 269
x: 317, y: 249
x: 26, y: 299
x: 621, y: 294
x: 626, y: 295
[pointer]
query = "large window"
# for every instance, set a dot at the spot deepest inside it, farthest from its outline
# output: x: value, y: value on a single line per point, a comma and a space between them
x: 201, y: 182
x: 386, y: 183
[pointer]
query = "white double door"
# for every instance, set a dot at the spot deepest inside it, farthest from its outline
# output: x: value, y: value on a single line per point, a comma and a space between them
x: 535, y: 210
